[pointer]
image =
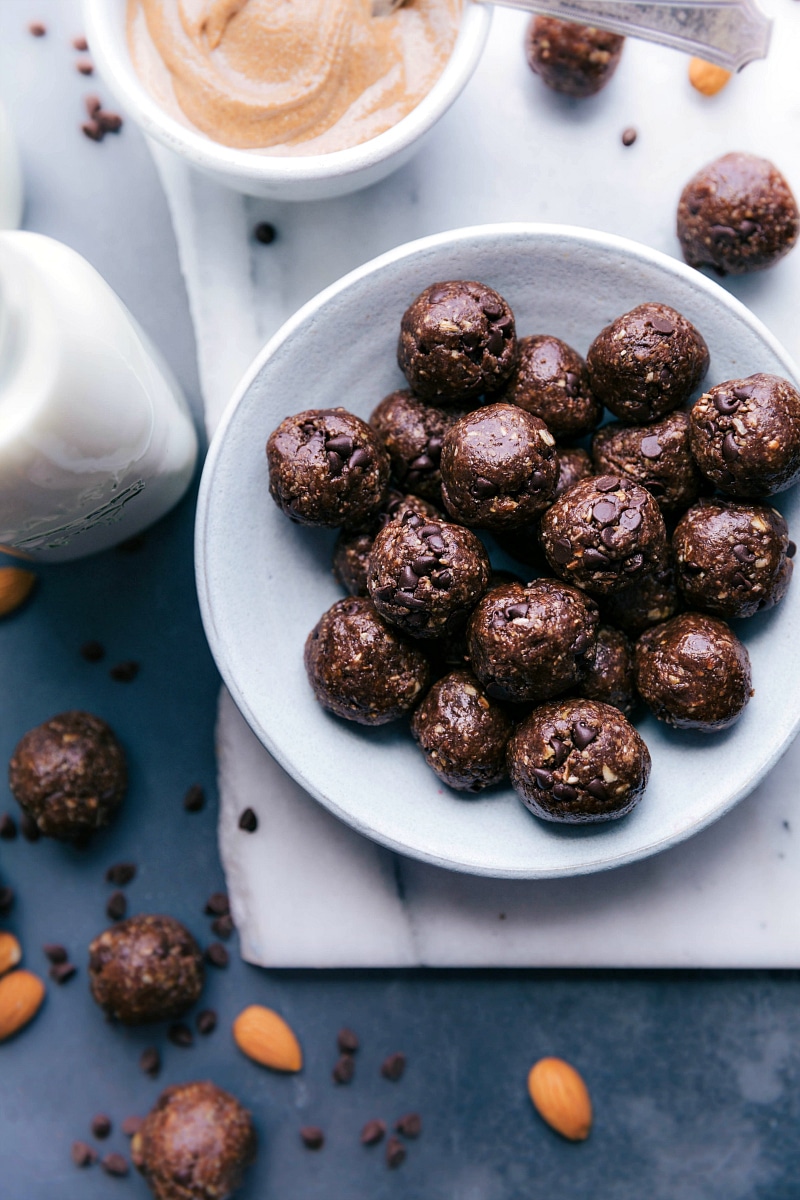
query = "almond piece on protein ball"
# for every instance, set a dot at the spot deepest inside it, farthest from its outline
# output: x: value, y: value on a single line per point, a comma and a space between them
x: 21, y: 996
x: 561, y: 1098
x: 264, y: 1036
x: 707, y: 77
x: 10, y: 951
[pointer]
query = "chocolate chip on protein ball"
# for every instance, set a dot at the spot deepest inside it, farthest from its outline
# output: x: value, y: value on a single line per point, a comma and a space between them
x: 531, y: 642
x: 148, y: 968
x: 360, y: 667
x: 746, y: 435
x: 657, y: 456
x: 327, y: 467
x: 457, y: 342
x: 551, y: 382
x: 69, y: 775
x: 195, y: 1143
x: 576, y: 60
x: 604, y: 534
x: 610, y: 679
x: 732, y: 558
x: 693, y: 672
x: 737, y: 214
x: 462, y: 733
x: 426, y: 577
x: 647, y: 363
x: 353, y: 547
x: 651, y: 599
x: 578, y: 762
x: 412, y: 432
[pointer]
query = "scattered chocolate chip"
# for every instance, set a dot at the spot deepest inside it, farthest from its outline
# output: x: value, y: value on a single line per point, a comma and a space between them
x: 37, y: 29
x: 109, y: 122
x: 62, y: 972
x: 395, y: 1152
x: 84, y: 67
x: 115, y: 1164
x: 206, y: 1021
x: 217, y: 905
x: 8, y: 827
x: 29, y: 829
x: 117, y: 906
x: 195, y: 798
x: 93, y: 651
x: 216, y: 955
x: 347, y: 1041
x: 150, y: 1061
x: 345, y: 1069
x: 83, y: 1155
x: 101, y: 1125
x: 265, y: 233
x: 312, y: 1137
x: 132, y: 1125
x: 125, y: 672
x: 223, y: 926
x: 583, y: 735
x: 55, y: 953
x: 7, y: 898
x: 248, y: 821
x: 121, y: 874
x: 410, y: 1125
x: 80, y: 43
x: 180, y: 1035
x: 628, y: 136
x: 393, y: 1066
x: 373, y: 1132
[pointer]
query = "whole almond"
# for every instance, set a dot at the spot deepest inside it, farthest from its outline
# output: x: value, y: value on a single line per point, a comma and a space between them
x: 266, y: 1038
x: 15, y: 587
x: 707, y: 77
x: 21, y: 996
x: 10, y: 951
x: 561, y: 1098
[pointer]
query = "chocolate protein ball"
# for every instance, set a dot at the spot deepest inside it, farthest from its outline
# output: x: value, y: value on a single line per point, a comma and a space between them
x: 576, y: 60
x: 604, y: 534
x: 457, y: 342
x: 360, y: 668
x: 746, y: 435
x: 647, y: 363
x: 426, y: 576
x: 693, y: 672
x: 462, y: 733
x: 327, y: 467
x: 195, y: 1143
x: 69, y: 775
x: 499, y: 467
x: 551, y: 382
x: 353, y: 547
x: 148, y: 968
x: 657, y: 456
x: 651, y: 599
x: 737, y: 214
x: 578, y: 762
x: 732, y: 559
x: 610, y: 679
x: 523, y: 542
x: 412, y: 433
x: 532, y: 641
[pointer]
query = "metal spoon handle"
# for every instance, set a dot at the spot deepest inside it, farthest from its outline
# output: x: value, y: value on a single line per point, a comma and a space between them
x: 730, y: 33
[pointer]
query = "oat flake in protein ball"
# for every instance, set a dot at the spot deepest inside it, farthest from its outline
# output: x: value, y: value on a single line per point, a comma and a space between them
x: 290, y: 76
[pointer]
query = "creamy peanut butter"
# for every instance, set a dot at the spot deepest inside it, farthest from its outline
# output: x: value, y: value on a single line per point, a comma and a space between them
x: 290, y: 76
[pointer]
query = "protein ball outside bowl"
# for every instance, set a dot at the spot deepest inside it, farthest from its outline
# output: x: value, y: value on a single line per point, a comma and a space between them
x: 462, y: 733
x: 551, y: 382
x: 69, y: 775
x: 499, y: 467
x: 693, y: 672
x: 457, y: 342
x: 354, y: 546
x: 327, y: 467
x: 737, y: 214
x: 412, y: 433
x: 657, y: 456
x: 530, y: 642
x: 576, y: 60
x: 746, y: 435
x: 361, y: 668
x: 426, y: 577
x: 148, y: 968
x: 578, y: 762
x: 604, y: 534
x: 650, y: 600
x: 611, y: 679
x: 195, y: 1143
x: 732, y: 559
x: 647, y: 363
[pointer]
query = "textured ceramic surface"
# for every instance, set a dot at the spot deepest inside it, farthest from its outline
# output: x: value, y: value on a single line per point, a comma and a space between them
x: 313, y: 177
x: 264, y: 582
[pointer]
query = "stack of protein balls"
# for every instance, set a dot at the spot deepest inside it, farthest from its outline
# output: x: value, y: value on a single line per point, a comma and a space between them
x: 633, y: 540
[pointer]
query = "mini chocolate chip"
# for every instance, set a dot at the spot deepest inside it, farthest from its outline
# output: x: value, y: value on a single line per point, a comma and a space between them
x: 93, y: 651
x: 743, y: 553
x: 424, y: 564
x: 109, y: 122
x: 37, y: 29
x: 335, y: 463
x: 722, y: 233
x: 395, y: 1152
x: 125, y: 672
x: 608, y: 536
x: 471, y: 339
x: 435, y: 543
x: 216, y: 955
x: 428, y: 531
x: 412, y: 603
x: 743, y: 391
x: 650, y: 447
x: 583, y: 735
x: 665, y: 376
x: 708, y: 428
x: 434, y: 447
x: 494, y: 342
x: 7, y: 899
x: 62, y: 972
x: 345, y: 1069
x: 195, y: 798
x: 132, y: 1125
x: 422, y: 463
x: 544, y: 779
x: 565, y: 792
x: 92, y: 130
x: 84, y: 67
x: 206, y: 1021
x: 740, y: 581
x: 605, y: 511
x: 410, y: 1125
x: 312, y: 1137
x: 29, y: 829
x: 630, y: 519
x: 117, y: 906
x: 572, y: 384
x: 628, y: 136
x: 180, y: 1035
x: 101, y: 1126
x: 791, y: 550
x: 484, y: 488
x: 8, y: 828
x: 597, y: 789
x: 341, y: 445
x: 537, y: 481
x: 516, y: 612
x: 55, y: 953
x: 661, y: 325
x: 726, y: 404
x: 747, y: 227
x: 248, y: 821
x: 217, y: 905
x: 730, y: 451
x: 411, y: 519
x: 607, y: 483
x: 384, y: 593
x: 359, y: 459
x: 265, y: 233
x: 80, y: 43
x: 347, y: 1041
x: 150, y: 1061
x: 562, y: 551
x: 581, y: 643
x: 442, y: 579
x: 115, y: 1164
x: 393, y: 1067
x: 595, y: 559
x: 83, y: 1155
x: 560, y: 750
x: 492, y: 308
x: 373, y: 1132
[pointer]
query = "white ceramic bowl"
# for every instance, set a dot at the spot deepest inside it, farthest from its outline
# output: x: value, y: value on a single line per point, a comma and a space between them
x: 315, y: 177
x: 264, y: 582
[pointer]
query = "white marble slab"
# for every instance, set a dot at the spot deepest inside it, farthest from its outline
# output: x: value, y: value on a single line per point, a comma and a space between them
x: 305, y: 890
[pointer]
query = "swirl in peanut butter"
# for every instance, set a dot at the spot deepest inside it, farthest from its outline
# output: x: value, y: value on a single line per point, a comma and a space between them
x: 290, y: 76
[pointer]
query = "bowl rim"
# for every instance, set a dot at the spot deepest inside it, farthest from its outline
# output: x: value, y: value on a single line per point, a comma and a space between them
x: 580, y: 236
x: 116, y: 67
